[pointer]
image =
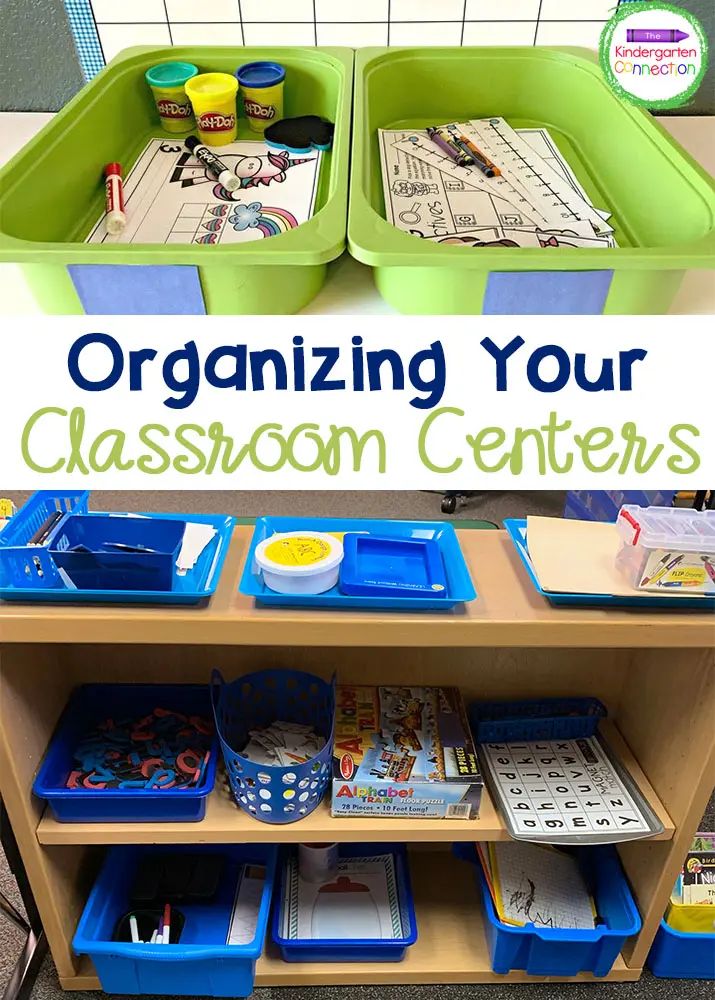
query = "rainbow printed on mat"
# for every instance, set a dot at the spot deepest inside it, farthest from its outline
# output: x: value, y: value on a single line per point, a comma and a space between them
x: 273, y: 221
x: 269, y: 221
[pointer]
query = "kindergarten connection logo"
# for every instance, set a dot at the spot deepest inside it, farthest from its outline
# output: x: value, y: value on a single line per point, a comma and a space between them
x: 654, y: 54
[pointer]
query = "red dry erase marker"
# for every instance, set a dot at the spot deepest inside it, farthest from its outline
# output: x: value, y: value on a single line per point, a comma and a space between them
x: 115, y: 220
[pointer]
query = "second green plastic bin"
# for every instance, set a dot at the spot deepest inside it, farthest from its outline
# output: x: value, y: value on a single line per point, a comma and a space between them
x: 662, y: 202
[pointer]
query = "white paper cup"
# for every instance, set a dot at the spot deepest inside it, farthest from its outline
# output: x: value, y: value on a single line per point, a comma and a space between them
x: 317, y: 862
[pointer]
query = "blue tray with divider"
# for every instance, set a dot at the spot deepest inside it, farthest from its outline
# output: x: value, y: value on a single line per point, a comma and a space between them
x: 29, y: 573
x: 516, y: 529
x: 459, y: 582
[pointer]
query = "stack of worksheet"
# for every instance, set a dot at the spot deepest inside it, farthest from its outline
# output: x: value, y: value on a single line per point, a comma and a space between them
x: 534, y: 200
x: 537, y: 884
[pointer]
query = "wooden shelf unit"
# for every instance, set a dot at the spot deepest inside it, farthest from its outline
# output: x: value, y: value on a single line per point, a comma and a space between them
x: 654, y: 671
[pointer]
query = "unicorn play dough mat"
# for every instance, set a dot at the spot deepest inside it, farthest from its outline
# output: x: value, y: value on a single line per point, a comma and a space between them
x: 172, y: 198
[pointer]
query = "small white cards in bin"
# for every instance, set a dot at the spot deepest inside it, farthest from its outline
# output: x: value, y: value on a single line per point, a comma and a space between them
x: 283, y: 744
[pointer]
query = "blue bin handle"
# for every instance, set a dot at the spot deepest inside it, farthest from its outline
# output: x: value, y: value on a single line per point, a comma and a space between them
x: 216, y: 684
x: 178, y: 953
x: 465, y: 851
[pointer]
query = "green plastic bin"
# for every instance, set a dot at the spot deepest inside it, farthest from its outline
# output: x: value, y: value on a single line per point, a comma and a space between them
x: 663, y: 203
x: 52, y: 192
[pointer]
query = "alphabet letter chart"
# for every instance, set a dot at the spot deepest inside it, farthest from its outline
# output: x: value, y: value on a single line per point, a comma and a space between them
x: 566, y: 792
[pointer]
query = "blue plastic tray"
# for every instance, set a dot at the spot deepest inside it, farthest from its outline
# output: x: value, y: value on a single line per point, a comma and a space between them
x: 678, y: 955
x: 201, y: 963
x: 359, y: 949
x: 378, y: 566
x: 516, y: 529
x: 194, y: 586
x: 459, y: 583
x: 90, y: 704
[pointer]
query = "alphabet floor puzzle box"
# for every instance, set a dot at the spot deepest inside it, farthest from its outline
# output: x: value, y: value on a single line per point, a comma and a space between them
x: 404, y: 751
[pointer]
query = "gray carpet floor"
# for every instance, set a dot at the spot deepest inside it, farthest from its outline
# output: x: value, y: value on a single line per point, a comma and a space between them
x: 488, y: 506
x: 330, y: 503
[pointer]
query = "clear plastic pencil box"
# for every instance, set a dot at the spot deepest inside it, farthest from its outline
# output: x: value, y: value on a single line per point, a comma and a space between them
x: 667, y: 550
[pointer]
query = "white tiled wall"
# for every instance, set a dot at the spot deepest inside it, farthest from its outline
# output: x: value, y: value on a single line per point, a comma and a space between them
x: 116, y: 37
x: 376, y: 11
x: 498, y: 33
x: 206, y: 33
x: 284, y: 11
x: 353, y: 23
x: 196, y: 11
x: 426, y: 10
x: 279, y: 34
x: 354, y: 35
x: 569, y: 33
x: 505, y: 10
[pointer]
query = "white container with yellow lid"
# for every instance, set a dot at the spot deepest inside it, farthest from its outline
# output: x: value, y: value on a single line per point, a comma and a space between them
x: 300, y: 562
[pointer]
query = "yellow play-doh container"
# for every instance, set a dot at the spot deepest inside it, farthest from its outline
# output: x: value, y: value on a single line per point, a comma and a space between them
x: 261, y: 93
x: 168, y: 85
x: 213, y: 97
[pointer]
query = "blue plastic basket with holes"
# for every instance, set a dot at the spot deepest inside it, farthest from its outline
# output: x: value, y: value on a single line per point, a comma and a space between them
x: 274, y: 794
x: 540, y: 719
x: 25, y: 559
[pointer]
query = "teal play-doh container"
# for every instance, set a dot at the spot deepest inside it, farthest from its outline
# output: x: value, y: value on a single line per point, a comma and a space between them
x: 168, y: 81
x: 261, y: 86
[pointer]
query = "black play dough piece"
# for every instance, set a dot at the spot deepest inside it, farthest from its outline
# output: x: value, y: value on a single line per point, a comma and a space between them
x: 298, y: 134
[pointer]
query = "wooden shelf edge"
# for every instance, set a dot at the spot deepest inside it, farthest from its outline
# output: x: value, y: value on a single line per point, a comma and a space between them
x: 226, y: 823
x: 615, y: 740
x: 364, y: 974
x: 507, y: 613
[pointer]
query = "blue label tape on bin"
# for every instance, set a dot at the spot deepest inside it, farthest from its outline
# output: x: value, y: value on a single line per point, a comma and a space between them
x: 137, y: 290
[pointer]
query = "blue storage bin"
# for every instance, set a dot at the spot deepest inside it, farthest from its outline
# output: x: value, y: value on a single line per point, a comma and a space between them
x: 677, y: 955
x: 541, y: 951
x: 102, y: 568
x: 603, y: 505
x: 540, y: 719
x: 201, y: 963
x: 25, y: 565
x: 91, y: 704
x: 359, y: 950
x: 254, y: 701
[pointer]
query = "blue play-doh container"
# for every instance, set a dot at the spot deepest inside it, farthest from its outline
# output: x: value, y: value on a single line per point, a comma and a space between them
x: 261, y: 86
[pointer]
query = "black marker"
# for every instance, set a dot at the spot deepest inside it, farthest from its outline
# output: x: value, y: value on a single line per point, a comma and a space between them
x: 42, y: 533
x: 217, y: 167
